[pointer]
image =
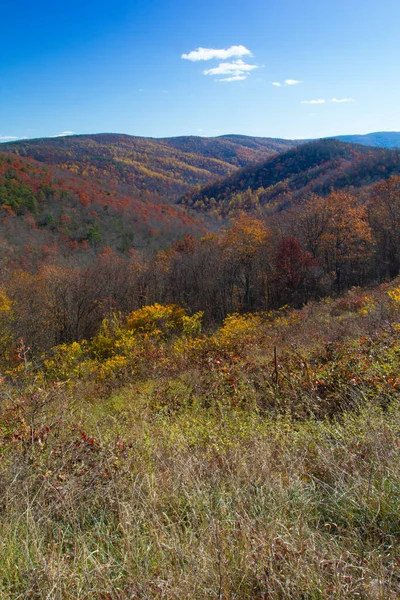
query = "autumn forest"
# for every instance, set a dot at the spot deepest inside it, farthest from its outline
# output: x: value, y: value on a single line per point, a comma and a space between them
x: 84, y: 238
x: 199, y: 368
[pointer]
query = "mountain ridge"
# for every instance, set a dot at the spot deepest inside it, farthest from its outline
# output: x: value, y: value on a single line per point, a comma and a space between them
x: 164, y: 169
x: 317, y: 167
x: 137, y: 165
x: 378, y: 139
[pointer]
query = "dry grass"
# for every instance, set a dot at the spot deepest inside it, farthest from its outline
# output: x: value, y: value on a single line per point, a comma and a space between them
x: 206, y: 505
x: 207, y: 480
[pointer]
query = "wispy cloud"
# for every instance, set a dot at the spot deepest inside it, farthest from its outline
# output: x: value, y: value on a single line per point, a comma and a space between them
x: 292, y: 81
x: 341, y: 100
x: 335, y: 100
x: 286, y: 82
x: 313, y: 101
x: 234, y: 78
x: 4, y: 138
x: 236, y: 70
x: 64, y: 133
x: 216, y: 53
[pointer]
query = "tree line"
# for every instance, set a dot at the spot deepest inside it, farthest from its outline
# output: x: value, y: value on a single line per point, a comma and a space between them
x: 318, y: 247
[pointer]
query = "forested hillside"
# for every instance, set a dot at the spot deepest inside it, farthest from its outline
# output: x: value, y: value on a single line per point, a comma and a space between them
x: 162, y: 168
x: 313, y: 168
x: 319, y: 247
x: 236, y: 149
x: 307, y: 223
x: 49, y: 214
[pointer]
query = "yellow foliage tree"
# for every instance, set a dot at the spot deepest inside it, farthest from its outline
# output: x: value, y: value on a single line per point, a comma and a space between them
x: 5, y: 324
x: 245, y: 253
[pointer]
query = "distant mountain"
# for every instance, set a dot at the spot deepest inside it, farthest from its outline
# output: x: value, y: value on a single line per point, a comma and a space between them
x: 163, y: 169
x: 234, y: 149
x: 316, y: 167
x: 46, y: 213
x: 148, y: 167
x: 381, y: 139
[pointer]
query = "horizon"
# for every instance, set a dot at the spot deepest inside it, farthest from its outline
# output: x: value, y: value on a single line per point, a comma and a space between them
x: 71, y: 135
x: 277, y: 70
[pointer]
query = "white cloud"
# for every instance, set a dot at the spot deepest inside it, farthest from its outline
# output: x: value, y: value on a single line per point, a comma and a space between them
x: 286, y: 82
x: 220, y: 54
x: 313, y: 101
x: 236, y: 70
x: 341, y: 100
x: 237, y: 67
x: 234, y: 78
x: 8, y: 137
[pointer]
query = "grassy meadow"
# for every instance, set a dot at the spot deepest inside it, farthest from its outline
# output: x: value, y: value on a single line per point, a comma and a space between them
x: 257, y: 461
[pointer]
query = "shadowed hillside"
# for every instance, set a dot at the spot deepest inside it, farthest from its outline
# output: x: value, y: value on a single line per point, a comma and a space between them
x: 316, y: 167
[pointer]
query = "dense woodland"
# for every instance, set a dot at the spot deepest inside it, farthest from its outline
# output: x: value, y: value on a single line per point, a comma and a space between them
x: 74, y: 252
x: 142, y: 166
x: 199, y: 395
x: 48, y: 212
x: 313, y: 168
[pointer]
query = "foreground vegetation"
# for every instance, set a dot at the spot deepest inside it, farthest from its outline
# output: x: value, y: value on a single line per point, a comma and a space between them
x: 261, y: 460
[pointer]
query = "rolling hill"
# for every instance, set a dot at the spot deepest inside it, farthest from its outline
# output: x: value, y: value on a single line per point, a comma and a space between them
x: 78, y: 194
x: 167, y: 168
x: 148, y: 167
x: 46, y: 212
x: 379, y: 139
x: 316, y: 167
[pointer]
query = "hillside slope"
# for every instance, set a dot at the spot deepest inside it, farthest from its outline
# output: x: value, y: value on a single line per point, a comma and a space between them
x: 316, y: 167
x: 234, y: 149
x: 46, y: 212
x: 379, y: 139
x: 147, y: 166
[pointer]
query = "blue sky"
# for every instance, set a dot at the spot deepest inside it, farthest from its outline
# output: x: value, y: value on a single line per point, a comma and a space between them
x: 98, y: 66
